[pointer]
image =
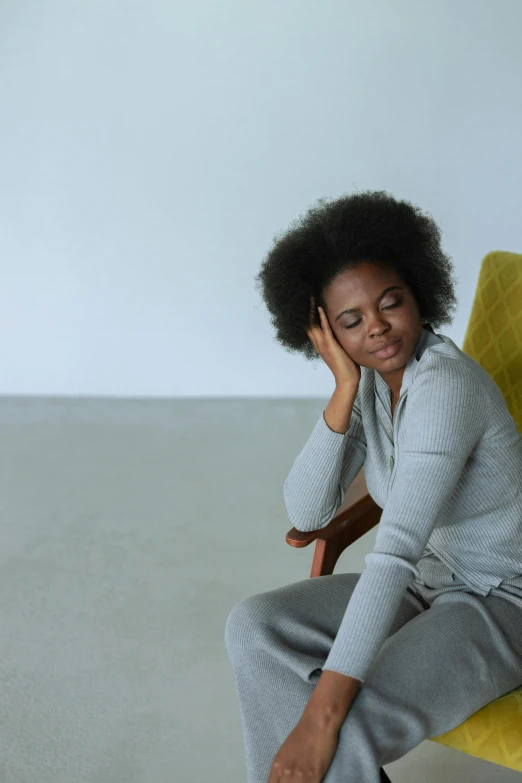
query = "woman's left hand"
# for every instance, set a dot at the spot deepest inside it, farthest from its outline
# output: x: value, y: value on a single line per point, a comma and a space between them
x: 306, y: 754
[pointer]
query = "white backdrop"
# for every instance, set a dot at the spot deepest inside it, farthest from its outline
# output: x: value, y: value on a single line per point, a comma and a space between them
x: 150, y: 151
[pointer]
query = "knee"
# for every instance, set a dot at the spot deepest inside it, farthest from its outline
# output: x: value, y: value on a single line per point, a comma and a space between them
x: 246, y: 624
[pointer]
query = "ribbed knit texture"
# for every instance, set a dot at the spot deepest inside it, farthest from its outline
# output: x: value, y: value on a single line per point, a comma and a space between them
x: 452, y: 491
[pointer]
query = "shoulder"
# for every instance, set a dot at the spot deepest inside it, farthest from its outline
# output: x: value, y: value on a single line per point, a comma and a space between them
x: 445, y: 363
x: 449, y: 389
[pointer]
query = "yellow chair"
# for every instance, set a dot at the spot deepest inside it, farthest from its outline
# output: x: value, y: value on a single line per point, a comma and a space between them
x: 494, y: 339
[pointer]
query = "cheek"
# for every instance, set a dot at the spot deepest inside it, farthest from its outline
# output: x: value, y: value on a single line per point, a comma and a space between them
x: 348, y: 342
x: 339, y: 334
x: 351, y: 345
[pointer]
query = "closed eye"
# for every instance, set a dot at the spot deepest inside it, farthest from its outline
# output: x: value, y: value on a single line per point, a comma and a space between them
x: 389, y: 307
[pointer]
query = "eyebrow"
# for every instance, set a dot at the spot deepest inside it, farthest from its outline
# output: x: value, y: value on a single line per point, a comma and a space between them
x: 355, y: 310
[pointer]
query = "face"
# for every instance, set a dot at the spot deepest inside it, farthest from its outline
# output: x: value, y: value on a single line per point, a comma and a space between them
x: 374, y: 318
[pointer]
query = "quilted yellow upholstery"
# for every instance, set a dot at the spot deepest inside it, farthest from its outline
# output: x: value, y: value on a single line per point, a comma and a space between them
x: 494, y: 733
x: 494, y: 339
x: 494, y: 334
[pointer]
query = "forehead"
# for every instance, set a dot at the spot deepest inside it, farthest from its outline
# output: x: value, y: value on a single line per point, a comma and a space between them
x: 363, y: 281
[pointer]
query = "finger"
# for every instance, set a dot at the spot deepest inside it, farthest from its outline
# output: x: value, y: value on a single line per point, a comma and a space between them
x: 313, y: 318
x: 327, y: 331
x: 325, y: 323
x: 313, y: 329
x: 311, y: 337
x: 324, y: 320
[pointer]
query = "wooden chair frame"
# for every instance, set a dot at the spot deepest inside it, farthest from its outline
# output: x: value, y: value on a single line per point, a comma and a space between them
x: 358, y: 514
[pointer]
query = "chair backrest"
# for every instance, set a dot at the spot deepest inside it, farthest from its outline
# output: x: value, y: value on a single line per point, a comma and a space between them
x: 494, y: 333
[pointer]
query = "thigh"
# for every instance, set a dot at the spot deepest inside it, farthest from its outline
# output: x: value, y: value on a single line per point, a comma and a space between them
x: 445, y: 664
x: 298, y: 622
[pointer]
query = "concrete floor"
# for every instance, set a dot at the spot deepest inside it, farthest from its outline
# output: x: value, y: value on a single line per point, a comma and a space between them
x: 129, y: 531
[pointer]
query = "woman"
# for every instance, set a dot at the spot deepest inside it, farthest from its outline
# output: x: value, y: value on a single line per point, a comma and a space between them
x: 341, y: 674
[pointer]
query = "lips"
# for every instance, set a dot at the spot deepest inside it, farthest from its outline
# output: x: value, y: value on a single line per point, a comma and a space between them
x: 386, y: 344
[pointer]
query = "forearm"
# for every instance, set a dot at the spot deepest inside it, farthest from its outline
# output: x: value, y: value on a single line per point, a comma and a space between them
x: 313, y: 487
x: 331, y: 699
x: 339, y: 410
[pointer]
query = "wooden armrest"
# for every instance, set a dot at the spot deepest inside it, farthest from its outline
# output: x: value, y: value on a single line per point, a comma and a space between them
x: 357, y: 514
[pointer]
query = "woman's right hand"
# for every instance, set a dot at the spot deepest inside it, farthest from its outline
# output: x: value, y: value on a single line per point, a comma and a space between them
x: 345, y: 371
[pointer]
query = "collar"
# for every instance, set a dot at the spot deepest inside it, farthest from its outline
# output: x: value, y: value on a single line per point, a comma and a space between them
x: 427, y: 338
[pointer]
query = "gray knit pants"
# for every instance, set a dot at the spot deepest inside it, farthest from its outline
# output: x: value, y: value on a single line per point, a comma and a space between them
x: 445, y: 657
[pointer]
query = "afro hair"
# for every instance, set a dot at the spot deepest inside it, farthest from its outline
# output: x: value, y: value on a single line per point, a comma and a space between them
x: 335, y: 235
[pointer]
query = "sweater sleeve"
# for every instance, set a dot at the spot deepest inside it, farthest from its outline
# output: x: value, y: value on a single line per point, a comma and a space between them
x: 323, y: 471
x: 445, y: 418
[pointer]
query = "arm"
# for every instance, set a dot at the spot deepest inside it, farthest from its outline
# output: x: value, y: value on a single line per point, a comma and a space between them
x: 327, y: 464
x: 446, y: 417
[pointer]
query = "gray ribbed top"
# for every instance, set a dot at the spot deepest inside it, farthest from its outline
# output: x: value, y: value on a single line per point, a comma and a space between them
x: 447, y: 472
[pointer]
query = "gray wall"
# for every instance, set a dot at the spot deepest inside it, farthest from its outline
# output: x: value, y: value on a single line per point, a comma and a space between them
x: 150, y: 150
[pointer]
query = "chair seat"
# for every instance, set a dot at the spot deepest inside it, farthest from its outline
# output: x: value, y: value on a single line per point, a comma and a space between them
x: 494, y: 733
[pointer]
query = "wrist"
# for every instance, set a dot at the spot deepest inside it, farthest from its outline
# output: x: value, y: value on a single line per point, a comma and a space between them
x: 346, y: 385
x: 331, y: 699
